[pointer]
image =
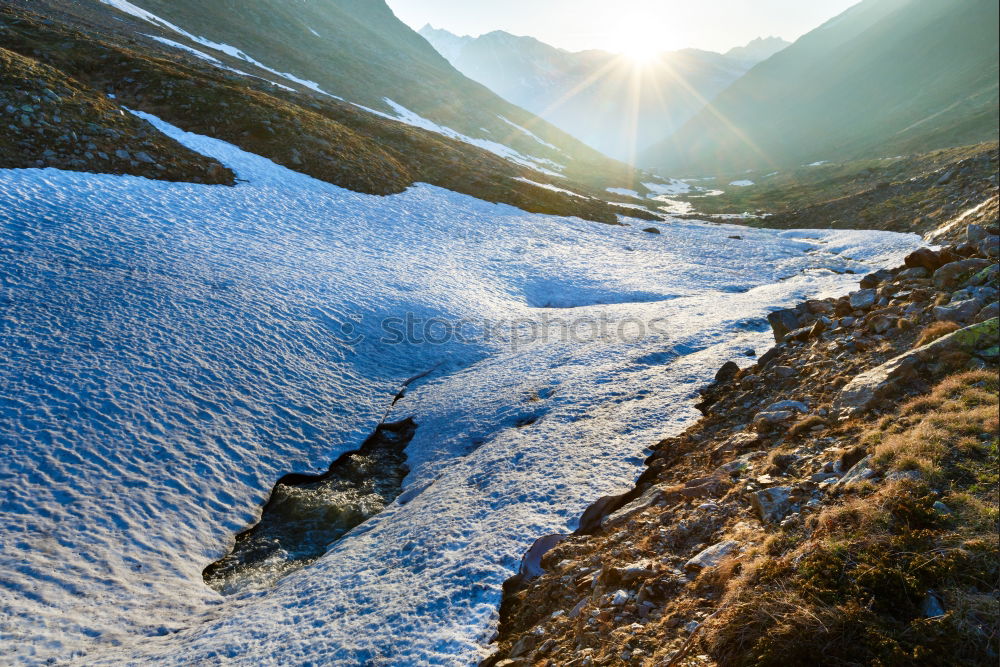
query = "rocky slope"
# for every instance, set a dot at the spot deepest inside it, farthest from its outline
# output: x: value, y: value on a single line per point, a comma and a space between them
x: 917, y: 193
x: 50, y: 120
x: 837, y: 502
x: 116, y: 65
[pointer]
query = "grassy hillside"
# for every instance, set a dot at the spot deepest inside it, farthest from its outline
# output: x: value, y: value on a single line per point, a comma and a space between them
x: 358, y: 50
x: 884, y: 78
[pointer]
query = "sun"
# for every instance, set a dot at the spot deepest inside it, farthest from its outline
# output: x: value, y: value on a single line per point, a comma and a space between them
x: 641, y: 53
x: 639, y: 40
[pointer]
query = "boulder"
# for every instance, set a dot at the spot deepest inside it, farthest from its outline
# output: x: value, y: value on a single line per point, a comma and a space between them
x: 771, y: 505
x: 961, y: 311
x: 711, y: 556
x: 783, y: 322
x: 876, y: 279
x: 872, y: 385
x: 975, y: 233
x: 727, y: 373
x: 798, y: 406
x: 913, y: 273
x: 990, y: 246
x: 928, y: 259
x: 990, y: 312
x: 863, y: 299
x: 651, y: 230
x: 949, y: 275
x: 859, y: 472
x: 987, y: 275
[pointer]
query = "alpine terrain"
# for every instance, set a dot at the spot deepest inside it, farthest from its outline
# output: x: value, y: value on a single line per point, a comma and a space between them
x: 316, y: 350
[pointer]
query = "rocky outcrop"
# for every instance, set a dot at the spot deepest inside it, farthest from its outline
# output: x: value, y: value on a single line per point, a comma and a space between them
x: 777, y: 447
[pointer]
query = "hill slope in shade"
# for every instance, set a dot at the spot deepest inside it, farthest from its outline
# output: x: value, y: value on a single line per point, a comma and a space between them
x: 884, y: 78
x: 601, y: 98
x: 136, y: 60
x: 356, y: 50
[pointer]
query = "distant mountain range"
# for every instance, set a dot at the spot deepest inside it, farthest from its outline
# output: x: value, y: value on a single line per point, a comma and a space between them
x: 600, y: 97
x: 886, y: 77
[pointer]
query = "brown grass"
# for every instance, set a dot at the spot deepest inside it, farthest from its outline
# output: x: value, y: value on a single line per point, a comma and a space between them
x: 934, y: 331
x: 848, y: 589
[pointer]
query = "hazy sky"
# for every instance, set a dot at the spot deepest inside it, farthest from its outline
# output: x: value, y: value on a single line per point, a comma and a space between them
x: 620, y: 25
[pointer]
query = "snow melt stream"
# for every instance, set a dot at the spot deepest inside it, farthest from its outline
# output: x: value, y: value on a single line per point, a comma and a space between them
x: 170, y: 350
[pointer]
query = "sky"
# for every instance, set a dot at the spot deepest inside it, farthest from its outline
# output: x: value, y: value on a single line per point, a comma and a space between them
x: 624, y: 25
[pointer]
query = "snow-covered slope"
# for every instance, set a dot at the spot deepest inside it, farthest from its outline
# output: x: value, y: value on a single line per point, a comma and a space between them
x: 167, y: 351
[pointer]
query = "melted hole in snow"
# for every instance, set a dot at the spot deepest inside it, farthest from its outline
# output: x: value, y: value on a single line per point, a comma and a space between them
x: 307, y: 513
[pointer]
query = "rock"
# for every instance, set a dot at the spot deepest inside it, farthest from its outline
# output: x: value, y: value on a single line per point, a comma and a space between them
x: 727, y: 373
x: 578, y: 608
x: 143, y: 156
x: 876, y: 279
x: 941, y: 508
x: 858, y: 473
x: 872, y: 385
x: 821, y: 325
x: 987, y: 275
x: 927, y: 258
x: 692, y: 626
x: 979, y: 336
x: 990, y: 246
x: 931, y: 607
x: 295, y: 157
x: 899, y: 475
x: 783, y: 322
x: 785, y: 372
x: 863, y: 299
x: 819, y: 307
x: 768, y: 357
x: 913, y: 273
x: 122, y: 154
x: 771, y: 505
x: 769, y: 418
x: 788, y: 405
x: 881, y: 324
x: 975, y: 233
x: 989, y: 312
x: 949, y: 275
x: 620, y: 598
x: 849, y: 458
x: 962, y: 311
x: 651, y: 230
x: 711, y: 556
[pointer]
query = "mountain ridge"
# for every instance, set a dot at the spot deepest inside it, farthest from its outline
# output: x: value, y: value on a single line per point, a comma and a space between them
x: 604, y: 99
x: 884, y: 78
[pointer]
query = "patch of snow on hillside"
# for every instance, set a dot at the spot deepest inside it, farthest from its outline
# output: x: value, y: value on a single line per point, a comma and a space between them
x: 551, y: 187
x: 625, y: 192
x: 404, y: 115
x: 169, y: 350
x: 529, y: 133
x: 674, y: 187
x: 231, y: 51
x: 213, y: 60
x: 742, y: 184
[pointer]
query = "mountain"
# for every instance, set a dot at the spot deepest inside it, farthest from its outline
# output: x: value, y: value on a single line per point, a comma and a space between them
x: 758, y: 50
x: 602, y: 98
x: 338, y: 89
x: 883, y: 78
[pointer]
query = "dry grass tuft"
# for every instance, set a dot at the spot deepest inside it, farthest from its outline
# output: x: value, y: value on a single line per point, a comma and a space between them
x: 934, y: 331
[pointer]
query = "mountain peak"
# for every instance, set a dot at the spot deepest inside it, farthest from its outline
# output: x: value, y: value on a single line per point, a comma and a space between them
x: 758, y: 49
